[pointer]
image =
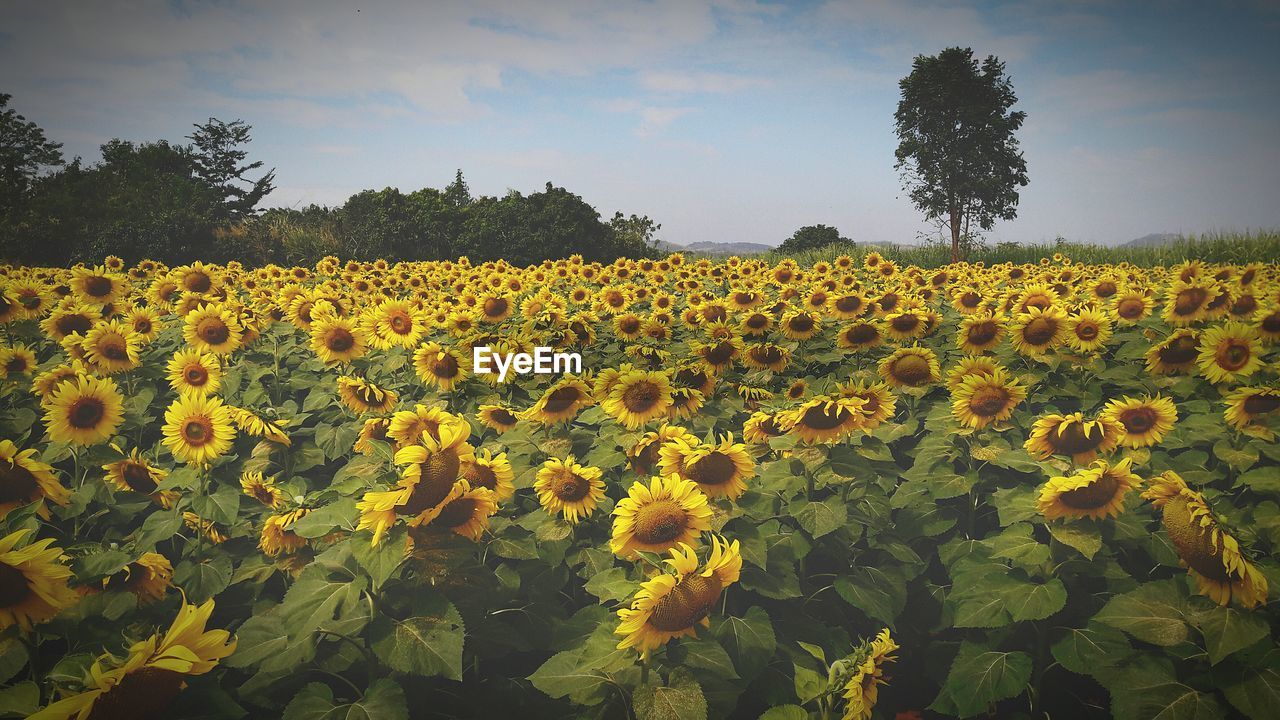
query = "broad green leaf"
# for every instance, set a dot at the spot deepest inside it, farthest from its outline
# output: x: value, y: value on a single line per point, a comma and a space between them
x: 611, y: 585
x: 341, y: 513
x: 220, y: 506
x: 980, y: 676
x: 749, y: 640
x: 1238, y: 458
x: 1091, y: 650
x: 1015, y: 504
x: 1149, y: 688
x: 1262, y: 479
x: 380, y: 562
x: 159, y: 526
x: 1017, y: 543
x: 1153, y: 613
x: 809, y: 681
x: 785, y: 712
x: 1227, y: 630
x: 203, y: 580
x: 681, y: 699
x: 429, y: 644
x: 880, y: 593
x: 703, y: 654
x: 384, y: 700
x: 1082, y: 535
x: 22, y: 699
x: 819, y: 517
x: 1037, y: 602
x: 100, y: 564
x: 1255, y: 691
x: 13, y: 657
x: 562, y: 676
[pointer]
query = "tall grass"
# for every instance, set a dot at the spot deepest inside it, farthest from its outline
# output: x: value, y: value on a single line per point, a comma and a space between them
x: 1238, y: 248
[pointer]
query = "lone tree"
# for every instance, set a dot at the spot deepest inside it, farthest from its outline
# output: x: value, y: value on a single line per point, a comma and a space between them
x: 958, y: 157
x: 218, y: 160
x: 812, y: 237
x: 24, y: 151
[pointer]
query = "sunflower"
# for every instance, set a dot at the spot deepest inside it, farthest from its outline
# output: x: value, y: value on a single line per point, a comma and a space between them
x: 84, y: 411
x: 135, y: 473
x: 362, y: 396
x: 669, y: 606
x: 865, y: 670
x: 910, y: 367
x: 569, y: 489
x: 1073, y: 435
x: 497, y: 417
x: 1088, y: 330
x: 1130, y: 306
x: 213, y: 328
x: 154, y: 673
x: 434, y: 468
x: 97, y: 286
x: 800, y: 325
x: 490, y: 472
x: 24, y: 480
x: 719, y: 355
x: 198, y: 429
x: 1229, y: 352
x: 638, y: 397
x: 720, y: 470
x: 878, y: 402
x: 145, y: 322
x: 262, y: 489
x: 767, y: 356
x: 560, y: 403
x: 979, y: 333
x: 1038, y: 330
x: 756, y: 323
x: 207, y: 528
x: 656, y: 517
x: 1176, y: 354
x: 148, y: 578
x: 16, y: 360
x: 986, y: 398
x: 394, y: 323
x: 410, y: 427
x: 859, y: 335
x: 253, y: 426
x: 1095, y: 492
x: 968, y: 366
x: 336, y: 339
x: 1144, y: 421
x: 373, y: 429
x: 277, y: 539
x: 761, y: 426
x: 906, y: 324
x: 1211, y: 553
x: 439, y: 366
x: 646, y: 453
x: 466, y: 511
x: 1249, y: 407
x: 70, y: 318
x: 847, y: 306
x: 194, y: 372
x: 35, y: 582
x: 1186, y: 302
x: 112, y: 347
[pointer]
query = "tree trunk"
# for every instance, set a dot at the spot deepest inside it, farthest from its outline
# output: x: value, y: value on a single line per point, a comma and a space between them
x: 955, y: 234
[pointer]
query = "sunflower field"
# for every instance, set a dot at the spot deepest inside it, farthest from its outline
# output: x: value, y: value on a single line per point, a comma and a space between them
x: 849, y: 490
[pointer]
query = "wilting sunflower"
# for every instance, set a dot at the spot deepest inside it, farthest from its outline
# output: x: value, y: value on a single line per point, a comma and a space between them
x: 1212, y: 555
x: 497, y: 417
x: 277, y: 539
x: 491, y: 472
x: 262, y: 489
x: 84, y: 411
x: 24, y: 480
x: 638, y: 397
x: 1038, y: 330
x: 148, y: 578
x: 910, y: 367
x: 1072, y: 435
x: 1143, y: 421
x: 208, y: 528
x: 657, y: 516
x: 1249, y: 407
x: 560, y: 403
x: 1088, y: 330
x: 194, y: 372
x: 466, y: 511
x: 720, y: 470
x: 986, y: 398
x: 685, y: 403
x: 1176, y: 354
x: 566, y: 488
x: 1095, y: 492
x: 865, y: 669
x: 198, y: 429
x: 439, y: 366
x: 336, y: 339
x: 669, y: 606
x: 35, y: 582
x: 434, y: 468
x: 135, y: 473
x: 1229, y: 352
x: 213, y: 328
x: 979, y: 333
x: 363, y: 396
x: 252, y: 425
x: 152, y: 676
x: 761, y: 426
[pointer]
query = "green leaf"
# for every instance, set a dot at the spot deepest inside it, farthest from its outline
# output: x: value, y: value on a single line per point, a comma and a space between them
x: 203, y: 580
x: 13, y: 657
x: 809, y: 682
x: 785, y: 712
x: 1240, y: 459
x: 1262, y: 479
x: 980, y: 676
x: 819, y: 517
x: 1092, y: 650
x: 1149, y: 688
x: 1015, y: 504
x: 1227, y: 630
x: 100, y: 564
x: 611, y: 585
x: 880, y: 593
x: 159, y: 525
x: 1079, y: 534
x: 749, y: 640
x: 384, y: 700
x: 1153, y: 613
x: 23, y: 699
x: 561, y: 676
x: 1017, y: 543
x: 681, y: 699
x: 704, y: 654
x: 324, y: 520
x: 1255, y: 691
x: 428, y: 644
x: 220, y: 506
x: 380, y: 562
x: 1038, y: 601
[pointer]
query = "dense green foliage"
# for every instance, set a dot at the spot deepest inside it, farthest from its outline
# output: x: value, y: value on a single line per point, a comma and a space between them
x: 811, y: 237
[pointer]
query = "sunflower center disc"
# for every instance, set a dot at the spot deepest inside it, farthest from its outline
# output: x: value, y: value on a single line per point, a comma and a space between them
x: 714, y: 469
x: 145, y: 693
x: 1095, y: 495
x: 561, y: 399
x: 70, y: 324
x: 766, y: 354
x: 1130, y: 309
x: 688, y: 602
x: 1234, y: 357
x: 820, y: 418
x: 198, y: 282
x: 989, y: 401
x: 640, y: 397
x: 757, y: 321
x: 400, y: 323
x: 905, y: 323
x: 16, y: 483
x: 98, y: 286
x: 446, y: 367
x: 659, y: 522
x: 13, y: 586
x: 478, y: 475
x: 456, y: 513
x: 571, y: 488
x: 802, y: 323
x: 1183, y: 350
x: 1073, y: 440
x: 1193, y: 543
x: 495, y: 306
x: 1040, y: 331
x: 1189, y: 301
x: 138, y: 478
x: 911, y: 369
x: 341, y: 340
x: 142, y: 326
x: 982, y: 333
x: 197, y: 376
x: 861, y: 333
x: 1259, y: 404
x: 720, y: 354
x: 115, y: 349
x: 195, y: 432
x: 1087, y: 332
x: 214, y: 331
x: 1138, y: 420
x: 1271, y: 323
x: 86, y: 412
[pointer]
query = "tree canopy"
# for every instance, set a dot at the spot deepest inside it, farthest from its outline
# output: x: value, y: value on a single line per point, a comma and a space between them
x: 811, y: 237
x: 957, y: 153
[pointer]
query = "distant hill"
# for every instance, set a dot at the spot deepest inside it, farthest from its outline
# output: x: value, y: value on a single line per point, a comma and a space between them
x: 716, y: 248
x: 1151, y: 240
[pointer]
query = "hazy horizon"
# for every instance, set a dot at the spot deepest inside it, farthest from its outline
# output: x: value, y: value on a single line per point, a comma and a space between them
x: 727, y: 121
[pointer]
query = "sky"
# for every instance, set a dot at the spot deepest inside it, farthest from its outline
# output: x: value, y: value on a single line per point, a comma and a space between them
x: 729, y: 120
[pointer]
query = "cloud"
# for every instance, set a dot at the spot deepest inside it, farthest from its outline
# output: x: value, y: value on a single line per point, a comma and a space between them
x: 699, y: 82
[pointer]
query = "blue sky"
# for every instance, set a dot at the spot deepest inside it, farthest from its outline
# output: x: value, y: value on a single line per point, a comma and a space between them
x: 724, y: 121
